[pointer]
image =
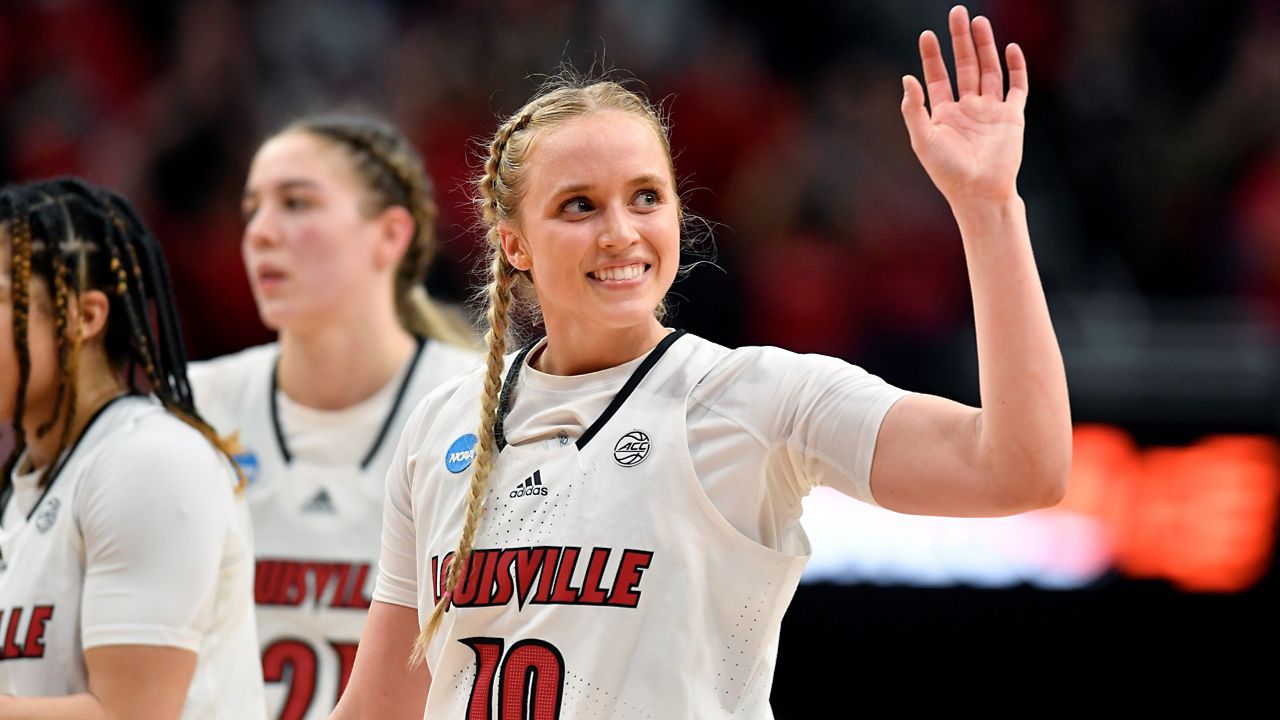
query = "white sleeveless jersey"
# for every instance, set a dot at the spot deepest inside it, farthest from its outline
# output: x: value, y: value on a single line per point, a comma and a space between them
x: 604, y: 583
x: 316, y: 525
x: 47, y: 617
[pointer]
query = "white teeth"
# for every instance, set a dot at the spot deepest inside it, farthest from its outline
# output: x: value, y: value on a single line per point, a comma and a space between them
x: 627, y: 272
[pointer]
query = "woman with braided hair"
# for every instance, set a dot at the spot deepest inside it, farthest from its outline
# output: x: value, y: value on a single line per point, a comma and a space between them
x: 339, y: 228
x: 626, y: 538
x: 125, y: 555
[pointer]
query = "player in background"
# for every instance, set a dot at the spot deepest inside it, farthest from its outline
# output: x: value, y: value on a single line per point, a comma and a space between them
x: 339, y: 229
x: 125, y: 555
x: 626, y: 538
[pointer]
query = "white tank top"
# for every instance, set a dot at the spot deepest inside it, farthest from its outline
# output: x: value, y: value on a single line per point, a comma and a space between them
x: 604, y: 582
x: 316, y: 523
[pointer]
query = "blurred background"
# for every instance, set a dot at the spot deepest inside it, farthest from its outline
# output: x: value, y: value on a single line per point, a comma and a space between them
x: 1152, y: 179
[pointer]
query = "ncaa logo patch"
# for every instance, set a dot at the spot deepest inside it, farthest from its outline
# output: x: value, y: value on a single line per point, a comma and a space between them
x: 460, y: 454
x: 631, y: 449
x: 48, y: 515
x: 248, y: 463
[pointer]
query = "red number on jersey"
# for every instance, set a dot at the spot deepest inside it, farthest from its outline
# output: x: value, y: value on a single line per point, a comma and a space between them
x: 530, y: 680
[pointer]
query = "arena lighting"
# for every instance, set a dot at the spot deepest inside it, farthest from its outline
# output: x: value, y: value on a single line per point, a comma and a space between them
x: 1202, y: 517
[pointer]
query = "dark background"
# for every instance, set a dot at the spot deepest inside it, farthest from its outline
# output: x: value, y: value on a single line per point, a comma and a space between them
x: 1152, y: 178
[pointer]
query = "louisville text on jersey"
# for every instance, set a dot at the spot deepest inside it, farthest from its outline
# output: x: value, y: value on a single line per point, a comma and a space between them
x: 545, y: 576
x: 311, y: 583
x: 24, y: 631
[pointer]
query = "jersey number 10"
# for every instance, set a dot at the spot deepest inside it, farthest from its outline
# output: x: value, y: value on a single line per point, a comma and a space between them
x: 530, y: 680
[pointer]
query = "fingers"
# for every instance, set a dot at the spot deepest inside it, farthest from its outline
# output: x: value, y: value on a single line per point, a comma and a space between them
x: 1018, y: 84
x: 967, y: 68
x: 992, y: 78
x: 913, y: 110
x: 935, y: 71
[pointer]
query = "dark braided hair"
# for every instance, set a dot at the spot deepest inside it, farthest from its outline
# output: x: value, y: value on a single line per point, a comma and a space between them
x: 78, y: 237
x: 392, y: 172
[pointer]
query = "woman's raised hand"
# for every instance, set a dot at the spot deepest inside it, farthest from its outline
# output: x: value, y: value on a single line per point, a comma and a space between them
x: 972, y: 146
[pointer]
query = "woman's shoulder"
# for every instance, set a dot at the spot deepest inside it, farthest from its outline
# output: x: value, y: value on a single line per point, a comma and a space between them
x: 227, y: 374
x: 138, y: 443
x: 143, y: 428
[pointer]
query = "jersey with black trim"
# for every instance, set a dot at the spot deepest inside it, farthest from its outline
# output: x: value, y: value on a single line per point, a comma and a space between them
x: 316, y: 519
x: 604, y: 582
x: 139, y: 540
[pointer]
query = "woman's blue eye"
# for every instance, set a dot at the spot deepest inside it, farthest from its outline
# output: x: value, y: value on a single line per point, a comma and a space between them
x: 647, y: 197
x: 577, y: 205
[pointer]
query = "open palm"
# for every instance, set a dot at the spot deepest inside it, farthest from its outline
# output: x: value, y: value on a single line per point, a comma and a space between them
x: 971, y: 147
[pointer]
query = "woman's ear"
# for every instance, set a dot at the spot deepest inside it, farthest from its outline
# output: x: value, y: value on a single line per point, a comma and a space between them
x: 514, y: 247
x: 92, y: 312
x: 395, y: 231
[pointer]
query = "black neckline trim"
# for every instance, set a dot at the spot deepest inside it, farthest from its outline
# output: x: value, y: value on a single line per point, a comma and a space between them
x: 382, y: 431
x: 513, y: 376
x: 60, y: 463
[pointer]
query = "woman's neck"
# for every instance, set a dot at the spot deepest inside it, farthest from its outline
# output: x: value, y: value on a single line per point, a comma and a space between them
x: 334, y: 367
x: 96, y: 385
x: 575, y: 350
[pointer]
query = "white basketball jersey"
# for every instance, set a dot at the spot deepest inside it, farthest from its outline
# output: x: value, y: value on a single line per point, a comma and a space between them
x: 42, y: 581
x: 316, y: 526
x: 604, y: 583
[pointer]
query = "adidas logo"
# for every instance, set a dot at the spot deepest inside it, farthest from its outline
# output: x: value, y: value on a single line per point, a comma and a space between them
x: 532, y: 485
x: 321, y: 503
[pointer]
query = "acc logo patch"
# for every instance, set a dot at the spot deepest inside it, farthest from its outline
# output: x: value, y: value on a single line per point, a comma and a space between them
x: 248, y: 463
x: 631, y: 449
x: 461, y: 453
x: 48, y: 515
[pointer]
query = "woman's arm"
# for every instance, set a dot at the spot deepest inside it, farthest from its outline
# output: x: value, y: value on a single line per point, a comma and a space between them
x: 938, y: 457
x: 382, y: 684
x: 142, y: 682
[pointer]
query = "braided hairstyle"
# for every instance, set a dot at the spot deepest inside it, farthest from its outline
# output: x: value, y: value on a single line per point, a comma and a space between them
x: 78, y: 237
x: 499, y: 191
x: 393, y: 174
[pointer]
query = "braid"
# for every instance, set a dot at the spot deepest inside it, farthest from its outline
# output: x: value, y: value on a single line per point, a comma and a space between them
x: 60, y: 301
x: 20, y: 275
x: 500, y: 296
x: 493, y: 185
x: 68, y: 363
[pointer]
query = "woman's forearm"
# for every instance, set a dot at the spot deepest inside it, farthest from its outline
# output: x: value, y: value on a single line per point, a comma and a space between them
x: 1025, y: 422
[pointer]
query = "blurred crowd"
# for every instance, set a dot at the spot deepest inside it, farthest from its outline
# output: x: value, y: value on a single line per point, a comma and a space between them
x: 1152, y: 162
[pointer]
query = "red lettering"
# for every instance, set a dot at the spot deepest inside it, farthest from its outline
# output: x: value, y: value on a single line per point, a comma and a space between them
x: 626, y: 583
x: 592, y: 593
x: 40, y: 617
x: 359, y: 599
x: 547, y: 575
x: 322, y: 572
x: 266, y: 582
x: 484, y: 591
x: 292, y: 586
x: 438, y: 579
x: 502, y: 595
x: 528, y: 562
x: 466, y: 594
x: 564, y: 591
x: 11, y: 649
